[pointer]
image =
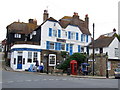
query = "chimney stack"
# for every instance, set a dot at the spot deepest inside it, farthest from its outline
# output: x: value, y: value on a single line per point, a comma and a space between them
x: 32, y: 21
x: 76, y: 16
x: 114, y: 30
x: 35, y: 21
x: 86, y: 21
x: 45, y: 15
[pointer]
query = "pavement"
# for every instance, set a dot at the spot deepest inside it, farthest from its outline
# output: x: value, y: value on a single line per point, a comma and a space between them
x: 54, y: 74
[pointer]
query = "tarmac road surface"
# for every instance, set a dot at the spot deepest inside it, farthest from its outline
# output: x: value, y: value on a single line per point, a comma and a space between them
x: 24, y: 80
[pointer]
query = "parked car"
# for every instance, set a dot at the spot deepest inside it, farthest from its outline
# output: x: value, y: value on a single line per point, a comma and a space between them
x: 117, y: 73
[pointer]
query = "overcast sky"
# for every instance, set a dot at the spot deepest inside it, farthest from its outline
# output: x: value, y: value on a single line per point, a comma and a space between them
x: 104, y: 13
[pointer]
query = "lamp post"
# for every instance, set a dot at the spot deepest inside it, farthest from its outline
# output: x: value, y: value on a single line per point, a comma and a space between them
x: 107, y: 74
x: 93, y: 48
x: 47, y: 58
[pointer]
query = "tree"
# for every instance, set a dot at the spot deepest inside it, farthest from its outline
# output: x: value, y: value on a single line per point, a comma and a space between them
x: 64, y: 54
x: 118, y: 36
x: 80, y: 58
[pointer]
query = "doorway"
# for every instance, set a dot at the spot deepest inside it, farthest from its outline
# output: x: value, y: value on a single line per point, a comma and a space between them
x: 19, y: 62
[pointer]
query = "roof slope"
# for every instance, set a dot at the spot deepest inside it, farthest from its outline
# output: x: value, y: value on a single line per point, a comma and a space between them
x: 20, y: 27
x: 102, y: 41
x: 67, y: 20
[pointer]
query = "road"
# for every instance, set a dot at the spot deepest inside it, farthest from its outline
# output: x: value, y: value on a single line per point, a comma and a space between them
x: 25, y: 80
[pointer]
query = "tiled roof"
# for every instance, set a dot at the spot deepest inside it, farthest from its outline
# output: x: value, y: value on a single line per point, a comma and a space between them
x: 66, y: 20
x: 102, y: 41
x: 52, y: 19
x: 20, y: 27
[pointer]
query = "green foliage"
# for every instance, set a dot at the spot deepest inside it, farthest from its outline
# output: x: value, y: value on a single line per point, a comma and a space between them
x: 118, y: 36
x: 64, y: 54
x: 80, y: 58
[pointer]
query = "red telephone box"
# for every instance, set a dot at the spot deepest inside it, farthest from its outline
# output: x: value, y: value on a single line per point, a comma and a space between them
x: 73, y: 66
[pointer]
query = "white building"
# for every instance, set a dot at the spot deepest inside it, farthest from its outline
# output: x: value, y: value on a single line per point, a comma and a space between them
x: 70, y: 34
x: 71, y: 39
x: 106, y: 43
x: 23, y: 55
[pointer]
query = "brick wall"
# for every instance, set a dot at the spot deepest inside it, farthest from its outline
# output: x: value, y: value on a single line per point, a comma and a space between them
x: 100, y: 65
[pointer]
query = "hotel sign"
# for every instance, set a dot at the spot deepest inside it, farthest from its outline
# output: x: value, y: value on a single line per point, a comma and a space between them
x: 61, y: 40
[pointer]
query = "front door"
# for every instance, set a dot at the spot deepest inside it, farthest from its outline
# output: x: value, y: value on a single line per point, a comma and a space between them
x: 19, y: 62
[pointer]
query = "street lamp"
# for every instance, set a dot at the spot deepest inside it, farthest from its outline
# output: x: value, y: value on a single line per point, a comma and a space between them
x: 107, y: 74
x: 93, y: 48
x: 46, y: 56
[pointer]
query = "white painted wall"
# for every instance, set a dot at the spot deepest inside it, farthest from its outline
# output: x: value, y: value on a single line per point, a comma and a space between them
x: 14, y: 54
x: 50, y: 24
x: 110, y: 49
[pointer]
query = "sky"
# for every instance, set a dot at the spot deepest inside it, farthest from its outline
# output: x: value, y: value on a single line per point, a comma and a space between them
x: 104, y: 13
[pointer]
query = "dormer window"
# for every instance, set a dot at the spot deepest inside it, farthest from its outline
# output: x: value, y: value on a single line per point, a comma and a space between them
x: 34, y: 33
x: 17, y: 35
x: 54, y: 24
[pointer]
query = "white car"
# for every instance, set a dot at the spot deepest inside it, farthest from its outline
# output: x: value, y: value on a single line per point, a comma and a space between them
x: 117, y: 73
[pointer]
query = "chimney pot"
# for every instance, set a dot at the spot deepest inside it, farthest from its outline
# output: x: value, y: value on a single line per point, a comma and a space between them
x: 114, y: 30
x: 45, y: 15
x: 75, y: 13
x: 30, y: 20
x: 86, y: 15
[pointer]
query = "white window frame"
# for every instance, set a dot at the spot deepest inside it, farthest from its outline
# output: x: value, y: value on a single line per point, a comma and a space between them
x: 30, y: 36
x: 64, y: 34
x: 54, y: 33
x: 17, y: 35
x: 35, y: 56
x: 116, y: 52
x: 84, y: 37
x: 73, y: 35
x: 29, y: 56
x: 34, y: 33
x: 50, y: 59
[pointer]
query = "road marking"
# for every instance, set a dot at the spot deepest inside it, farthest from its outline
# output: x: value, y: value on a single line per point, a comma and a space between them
x: 51, y: 79
x: 44, y: 79
x: 64, y: 79
x: 19, y: 81
x: 57, y: 79
x: 10, y: 81
x: 76, y: 78
x: 36, y: 80
x: 28, y: 80
x: 70, y: 79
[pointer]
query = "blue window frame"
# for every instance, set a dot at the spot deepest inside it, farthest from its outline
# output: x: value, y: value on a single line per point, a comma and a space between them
x: 71, y: 49
x: 47, y: 44
x: 50, y: 32
x: 69, y: 35
x: 81, y: 37
x: 56, y: 46
x: 67, y: 47
x: 86, y: 38
x: 59, y: 33
x: 59, y: 46
x: 79, y: 48
x: 76, y: 36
